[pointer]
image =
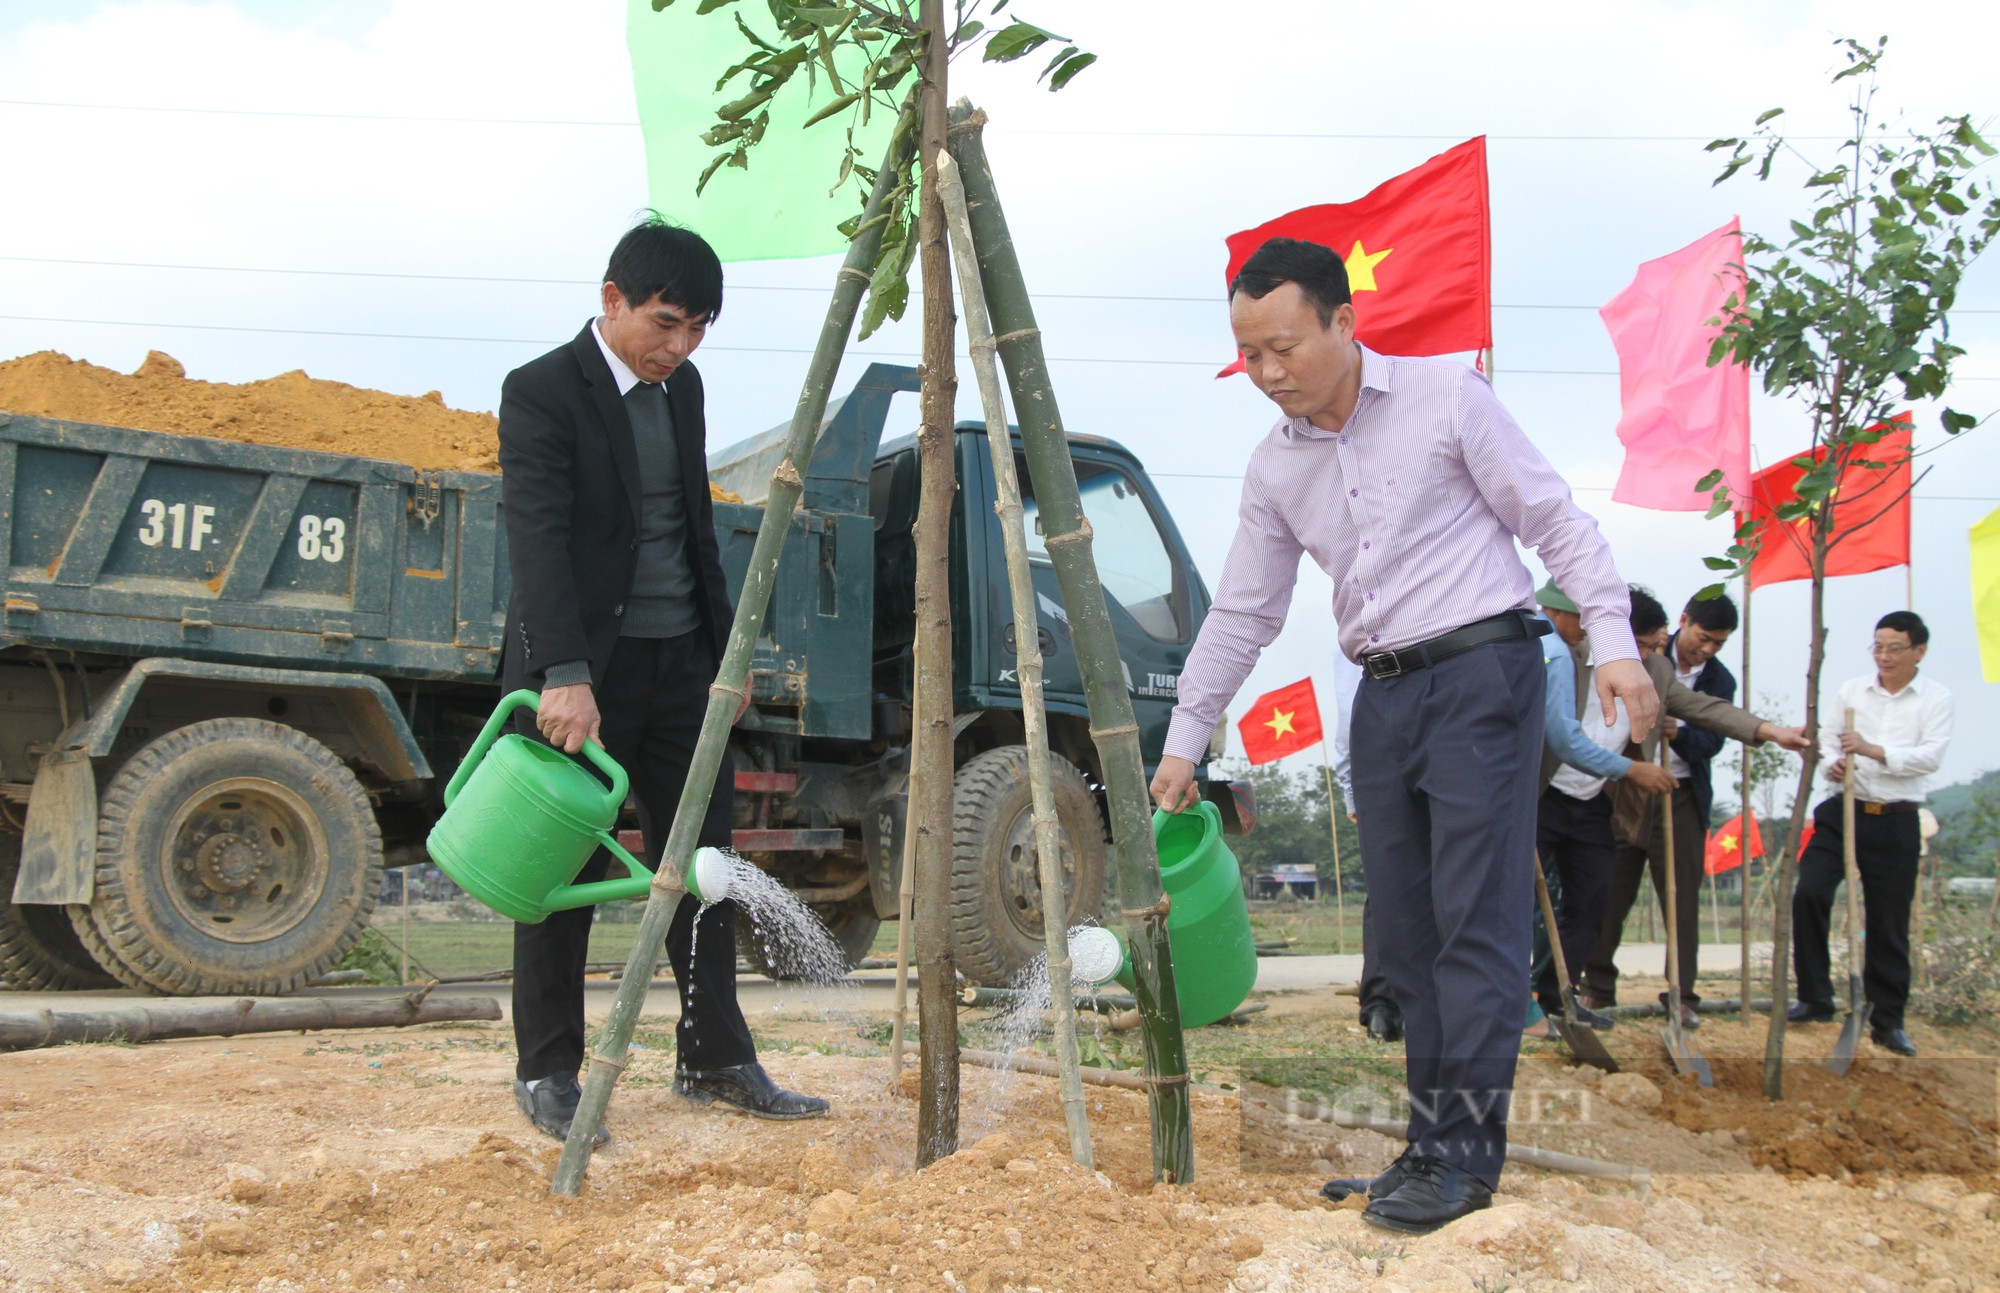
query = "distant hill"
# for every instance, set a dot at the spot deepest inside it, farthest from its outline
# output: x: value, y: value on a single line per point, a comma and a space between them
x: 1953, y: 800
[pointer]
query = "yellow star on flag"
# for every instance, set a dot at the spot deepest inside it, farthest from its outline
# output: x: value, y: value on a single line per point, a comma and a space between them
x: 1280, y: 723
x: 1361, y: 265
x: 1728, y: 842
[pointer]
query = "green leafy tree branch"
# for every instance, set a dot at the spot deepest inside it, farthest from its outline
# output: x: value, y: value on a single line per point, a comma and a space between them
x: 847, y: 60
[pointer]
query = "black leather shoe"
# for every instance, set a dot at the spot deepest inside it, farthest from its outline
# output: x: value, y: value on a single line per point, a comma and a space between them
x: 749, y: 1088
x: 1893, y: 1039
x: 1595, y: 1000
x: 1802, y: 1012
x: 1383, y: 1025
x: 1375, y: 1187
x: 551, y: 1106
x: 1589, y: 1018
x: 1435, y: 1194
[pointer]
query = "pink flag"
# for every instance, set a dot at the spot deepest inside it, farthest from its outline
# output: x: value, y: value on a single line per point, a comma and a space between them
x: 1680, y: 419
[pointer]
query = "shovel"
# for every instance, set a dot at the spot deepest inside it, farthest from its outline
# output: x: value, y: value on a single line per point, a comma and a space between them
x: 1582, y: 1040
x: 1857, y: 1004
x: 1686, y: 1057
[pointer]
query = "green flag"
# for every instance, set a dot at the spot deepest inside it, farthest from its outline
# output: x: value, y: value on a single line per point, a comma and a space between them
x: 779, y: 207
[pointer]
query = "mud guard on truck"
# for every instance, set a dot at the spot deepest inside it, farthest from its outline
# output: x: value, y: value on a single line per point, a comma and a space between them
x: 59, y: 846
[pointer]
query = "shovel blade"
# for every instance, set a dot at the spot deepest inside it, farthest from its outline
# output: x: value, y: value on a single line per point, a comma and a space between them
x: 1584, y: 1043
x: 1850, y: 1037
x: 1685, y: 1057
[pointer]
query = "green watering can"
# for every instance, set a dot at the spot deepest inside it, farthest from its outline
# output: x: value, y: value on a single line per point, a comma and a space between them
x: 1208, y: 922
x: 521, y: 818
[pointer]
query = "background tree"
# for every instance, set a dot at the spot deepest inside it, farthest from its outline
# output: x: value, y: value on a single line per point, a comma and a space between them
x: 1294, y: 827
x: 1849, y: 316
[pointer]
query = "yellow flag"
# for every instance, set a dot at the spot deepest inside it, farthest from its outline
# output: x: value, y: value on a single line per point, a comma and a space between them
x: 1986, y: 592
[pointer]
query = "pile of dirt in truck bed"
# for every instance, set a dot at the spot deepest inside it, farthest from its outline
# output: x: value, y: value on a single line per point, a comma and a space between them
x: 291, y: 409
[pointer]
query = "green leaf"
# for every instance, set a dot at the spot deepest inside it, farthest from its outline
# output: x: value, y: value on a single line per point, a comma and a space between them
x: 1768, y: 114
x: 1715, y: 144
x: 1717, y: 508
x: 831, y: 108
x: 1015, y: 40
x: 817, y: 15
x: 1955, y: 422
x: 709, y: 6
x: 1709, y: 481
x: 1069, y: 69
x: 1952, y: 203
x: 1709, y: 593
x: 1718, y: 563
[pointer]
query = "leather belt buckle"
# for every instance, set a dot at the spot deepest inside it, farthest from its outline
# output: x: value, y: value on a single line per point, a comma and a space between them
x: 1382, y: 664
x: 1872, y: 809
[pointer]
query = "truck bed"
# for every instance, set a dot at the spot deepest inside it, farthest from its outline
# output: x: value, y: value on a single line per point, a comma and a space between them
x: 140, y: 543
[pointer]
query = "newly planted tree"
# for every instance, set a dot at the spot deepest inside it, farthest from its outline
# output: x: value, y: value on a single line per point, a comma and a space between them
x: 850, y: 60
x: 1848, y: 314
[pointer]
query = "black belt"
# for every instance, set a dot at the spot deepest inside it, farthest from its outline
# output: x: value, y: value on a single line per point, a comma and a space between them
x: 1889, y: 809
x: 1498, y: 628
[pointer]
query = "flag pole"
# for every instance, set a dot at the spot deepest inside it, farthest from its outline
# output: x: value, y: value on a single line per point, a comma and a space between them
x: 1747, y: 814
x: 1333, y: 823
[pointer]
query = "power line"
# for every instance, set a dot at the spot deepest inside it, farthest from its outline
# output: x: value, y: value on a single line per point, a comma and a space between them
x: 1579, y: 489
x: 712, y: 346
x: 1074, y: 133
x: 915, y: 290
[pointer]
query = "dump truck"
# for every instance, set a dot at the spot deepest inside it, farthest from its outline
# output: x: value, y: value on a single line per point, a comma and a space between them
x: 235, y: 677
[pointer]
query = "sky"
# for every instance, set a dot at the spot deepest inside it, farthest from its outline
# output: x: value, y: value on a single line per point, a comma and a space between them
x: 418, y: 195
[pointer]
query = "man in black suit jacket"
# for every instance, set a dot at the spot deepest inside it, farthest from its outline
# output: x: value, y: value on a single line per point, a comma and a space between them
x: 618, y: 616
x: 1692, y: 650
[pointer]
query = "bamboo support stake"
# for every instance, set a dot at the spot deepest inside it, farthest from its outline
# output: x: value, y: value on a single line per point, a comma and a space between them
x: 906, y: 919
x: 1027, y: 651
x: 732, y: 679
x: 1333, y: 811
x: 1748, y: 818
x: 1113, y: 728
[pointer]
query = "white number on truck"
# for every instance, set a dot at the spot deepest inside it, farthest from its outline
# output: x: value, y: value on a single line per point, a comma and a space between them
x: 322, y: 538
x: 178, y: 525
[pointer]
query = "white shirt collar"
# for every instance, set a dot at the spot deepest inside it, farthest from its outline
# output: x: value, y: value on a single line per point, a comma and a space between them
x: 1914, y: 687
x: 621, y: 374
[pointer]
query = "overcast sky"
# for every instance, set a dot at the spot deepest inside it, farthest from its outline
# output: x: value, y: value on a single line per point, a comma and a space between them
x: 365, y: 144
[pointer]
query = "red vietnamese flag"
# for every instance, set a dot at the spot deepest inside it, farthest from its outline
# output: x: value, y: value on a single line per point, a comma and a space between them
x: 1281, y: 722
x: 1873, y: 531
x: 1418, y: 253
x: 1726, y: 849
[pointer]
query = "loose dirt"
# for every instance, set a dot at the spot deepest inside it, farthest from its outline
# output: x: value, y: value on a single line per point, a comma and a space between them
x: 291, y: 409
x: 397, y: 1161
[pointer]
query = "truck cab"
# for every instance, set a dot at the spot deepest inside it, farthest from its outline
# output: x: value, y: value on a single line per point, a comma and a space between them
x: 835, y: 778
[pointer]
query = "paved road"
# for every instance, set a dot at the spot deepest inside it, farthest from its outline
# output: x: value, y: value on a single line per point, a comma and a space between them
x: 870, y: 989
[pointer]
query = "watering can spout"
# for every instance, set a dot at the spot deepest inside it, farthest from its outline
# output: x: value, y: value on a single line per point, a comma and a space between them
x: 708, y: 876
x: 1096, y: 956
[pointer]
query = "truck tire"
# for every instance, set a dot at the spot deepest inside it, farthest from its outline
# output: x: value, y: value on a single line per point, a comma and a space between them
x: 233, y: 856
x: 39, y: 952
x: 996, y: 890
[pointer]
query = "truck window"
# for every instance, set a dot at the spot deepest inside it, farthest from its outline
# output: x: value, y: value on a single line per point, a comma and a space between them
x: 1133, y: 560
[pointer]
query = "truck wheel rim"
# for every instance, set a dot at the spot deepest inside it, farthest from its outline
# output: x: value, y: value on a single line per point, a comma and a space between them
x: 1021, y: 874
x: 245, y: 860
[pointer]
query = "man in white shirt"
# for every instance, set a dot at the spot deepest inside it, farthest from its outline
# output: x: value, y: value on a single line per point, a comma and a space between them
x: 1902, y: 724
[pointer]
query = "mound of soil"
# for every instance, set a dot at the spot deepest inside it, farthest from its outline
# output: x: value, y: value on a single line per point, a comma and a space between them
x: 291, y: 410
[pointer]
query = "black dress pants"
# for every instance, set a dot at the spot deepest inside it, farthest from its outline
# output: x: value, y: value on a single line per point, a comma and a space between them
x: 1445, y: 767
x: 1374, y: 988
x: 1886, y: 850
x: 1578, y: 852
x: 652, y: 698
x: 1600, y: 976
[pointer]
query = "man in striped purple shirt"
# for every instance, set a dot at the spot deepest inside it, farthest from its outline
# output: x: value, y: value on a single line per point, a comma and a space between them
x: 1408, y: 483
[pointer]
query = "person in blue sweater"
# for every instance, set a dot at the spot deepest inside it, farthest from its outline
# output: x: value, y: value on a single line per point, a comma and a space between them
x: 1573, y: 835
